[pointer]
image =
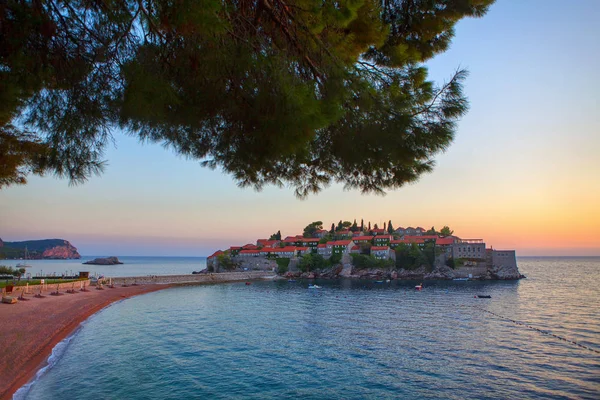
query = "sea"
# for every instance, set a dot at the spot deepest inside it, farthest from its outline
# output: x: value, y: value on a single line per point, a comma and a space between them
x: 536, y: 338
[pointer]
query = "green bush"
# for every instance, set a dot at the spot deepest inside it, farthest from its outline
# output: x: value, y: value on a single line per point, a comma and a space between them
x: 311, y: 262
x: 334, y: 259
x: 282, y: 265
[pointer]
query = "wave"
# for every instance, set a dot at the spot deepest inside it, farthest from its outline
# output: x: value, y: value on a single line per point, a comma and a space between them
x: 57, y: 353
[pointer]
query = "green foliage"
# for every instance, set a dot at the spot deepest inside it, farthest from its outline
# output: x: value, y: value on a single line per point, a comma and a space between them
x: 390, y: 227
x: 362, y: 261
x: 326, y: 238
x: 282, y: 265
x: 450, y: 262
x: 311, y: 262
x: 275, y: 236
x: 365, y: 248
x: 335, y: 259
x: 410, y: 257
x: 431, y: 231
x: 446, y: 231
x: 312, y: 228
x: 226, y: 263
x: 305, y: 94
x: 354, y: 227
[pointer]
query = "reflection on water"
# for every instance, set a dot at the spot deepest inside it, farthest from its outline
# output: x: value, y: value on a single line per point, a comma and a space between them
x: 350, y: 339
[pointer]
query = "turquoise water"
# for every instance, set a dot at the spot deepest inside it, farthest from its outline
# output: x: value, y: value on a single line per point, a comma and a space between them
x: 348, y: 340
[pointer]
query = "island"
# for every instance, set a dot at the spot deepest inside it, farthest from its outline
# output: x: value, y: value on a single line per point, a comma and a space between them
x: 358, y: 251
x: 104, y: 261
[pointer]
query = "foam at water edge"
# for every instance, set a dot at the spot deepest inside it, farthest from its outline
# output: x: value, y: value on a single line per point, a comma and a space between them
x: 57, y: 353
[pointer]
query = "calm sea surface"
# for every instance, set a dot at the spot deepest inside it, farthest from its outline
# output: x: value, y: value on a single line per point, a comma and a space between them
x: 348, y: 340
x: 132, y: 266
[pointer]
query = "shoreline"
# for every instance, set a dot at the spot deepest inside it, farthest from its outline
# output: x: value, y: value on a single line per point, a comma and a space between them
x: 33, y: 330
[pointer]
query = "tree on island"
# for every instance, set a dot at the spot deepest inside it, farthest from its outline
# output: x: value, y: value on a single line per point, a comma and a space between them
x: 432, y: 231
x: 390, y: 228
x: 446, y: 231
x: 369, y: 228
x: 275, y: 236
x: 332, y: 230
x: 311, y: 229
x: 271, y: 92
x: 362, y: 225
x: 354, y: 227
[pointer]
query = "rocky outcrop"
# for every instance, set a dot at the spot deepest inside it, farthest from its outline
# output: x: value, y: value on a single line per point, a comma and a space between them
x: 104, y: 261
x: 504, y: 272
x: 63, y: 252
x: 440, y: 272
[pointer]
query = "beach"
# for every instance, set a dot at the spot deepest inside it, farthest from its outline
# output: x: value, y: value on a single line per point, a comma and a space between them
x: 30, y: 329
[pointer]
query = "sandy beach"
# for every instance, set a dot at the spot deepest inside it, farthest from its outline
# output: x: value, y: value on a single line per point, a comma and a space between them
x: 30, y: 329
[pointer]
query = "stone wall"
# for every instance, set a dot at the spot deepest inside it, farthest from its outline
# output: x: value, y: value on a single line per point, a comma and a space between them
x: 194, y: 278
x: 254, y: 263
x: 476, y: 271
x: 50, y: 287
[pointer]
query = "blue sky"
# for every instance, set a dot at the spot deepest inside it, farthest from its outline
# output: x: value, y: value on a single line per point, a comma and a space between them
x: 523, y: 171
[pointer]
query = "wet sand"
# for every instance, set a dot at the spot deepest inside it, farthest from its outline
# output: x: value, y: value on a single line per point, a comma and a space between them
x: 30, y: 329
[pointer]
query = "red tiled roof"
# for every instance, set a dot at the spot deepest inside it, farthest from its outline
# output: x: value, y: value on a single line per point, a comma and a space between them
x: 216, y: 253
x: 444, y: 241
x: 363, y: 238
x: 249, y: 251
x: 267, y: 243
x: 321, y: 246
x: 235, y: 247
x: 378, y: 230
x: 301, y: 248
x: 340, y: 242
x: 355, y: 247
x: 290, y: 239
x: 287, y: 249
x: 307, y: 240
x: 375, y: 248
x: 420, y: 229
x: 384, y: 236
x: 249, y: 247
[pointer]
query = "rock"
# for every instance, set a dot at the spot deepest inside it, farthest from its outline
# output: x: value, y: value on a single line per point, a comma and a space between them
x: 61, y: 252
x: 440, y: 272
x: 104, y: 261
x: 503, y: 272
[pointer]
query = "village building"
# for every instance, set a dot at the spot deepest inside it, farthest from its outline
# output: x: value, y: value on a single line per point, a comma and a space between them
x: 383, y: 252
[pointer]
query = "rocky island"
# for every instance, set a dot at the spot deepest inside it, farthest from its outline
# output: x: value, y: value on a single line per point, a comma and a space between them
x: 104, y: 261
x: 46, y: 249
x: 359, y: 251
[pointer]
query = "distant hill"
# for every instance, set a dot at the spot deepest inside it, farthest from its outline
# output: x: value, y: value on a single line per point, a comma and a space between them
x: 38, y: 249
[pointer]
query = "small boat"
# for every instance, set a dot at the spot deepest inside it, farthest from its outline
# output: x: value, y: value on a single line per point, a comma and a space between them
x: 291, y: 280
x: 484, y: 296
x: 248, y: 283
x: 460, y: 279
x: 314, y: 287
x: 24, y: 264
x: 378, y: 281
x: 419, y: 287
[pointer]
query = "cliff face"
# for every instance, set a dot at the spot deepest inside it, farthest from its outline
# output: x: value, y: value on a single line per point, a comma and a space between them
x: 61, y: 252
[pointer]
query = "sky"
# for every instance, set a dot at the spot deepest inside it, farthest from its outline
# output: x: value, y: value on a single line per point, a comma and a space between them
x: 523, y: 172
